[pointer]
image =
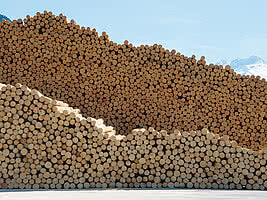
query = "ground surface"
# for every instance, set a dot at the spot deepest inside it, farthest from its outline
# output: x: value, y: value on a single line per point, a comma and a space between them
x: 132, y: 194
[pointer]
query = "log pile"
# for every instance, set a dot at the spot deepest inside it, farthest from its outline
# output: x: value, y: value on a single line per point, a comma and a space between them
x: 44, y: 143
x: 131, y: 87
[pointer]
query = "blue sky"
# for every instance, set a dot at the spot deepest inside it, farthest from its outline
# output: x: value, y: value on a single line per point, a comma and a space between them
x: 217, y: 29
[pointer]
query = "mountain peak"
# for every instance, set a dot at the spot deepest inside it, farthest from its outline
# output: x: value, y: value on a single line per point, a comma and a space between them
x: 246, y: 61
x: 253, y: 65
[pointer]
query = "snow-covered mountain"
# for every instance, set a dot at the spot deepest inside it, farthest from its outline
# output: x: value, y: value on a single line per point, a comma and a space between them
x: 253, y: 65
x: 254, y: 69
x: 238, y: 64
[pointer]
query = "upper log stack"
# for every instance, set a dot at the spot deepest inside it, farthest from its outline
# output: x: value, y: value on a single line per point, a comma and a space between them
x: 46, y: 144
x: 131, y: 87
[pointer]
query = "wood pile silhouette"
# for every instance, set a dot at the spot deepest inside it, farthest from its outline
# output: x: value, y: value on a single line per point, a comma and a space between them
x: 131, y: 87
x: 44, y: 143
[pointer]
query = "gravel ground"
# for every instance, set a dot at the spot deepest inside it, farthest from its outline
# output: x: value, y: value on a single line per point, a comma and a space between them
x: 129, y: 194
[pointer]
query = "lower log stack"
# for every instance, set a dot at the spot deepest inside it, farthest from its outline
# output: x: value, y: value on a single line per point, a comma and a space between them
x: 44, y: 143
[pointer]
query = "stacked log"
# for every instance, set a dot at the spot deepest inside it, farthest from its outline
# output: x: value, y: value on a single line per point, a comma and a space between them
x: 131, y: 87
x: 44, y: 143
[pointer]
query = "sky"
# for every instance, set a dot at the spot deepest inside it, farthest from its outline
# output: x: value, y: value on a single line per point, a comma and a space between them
x: 216, y: 29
